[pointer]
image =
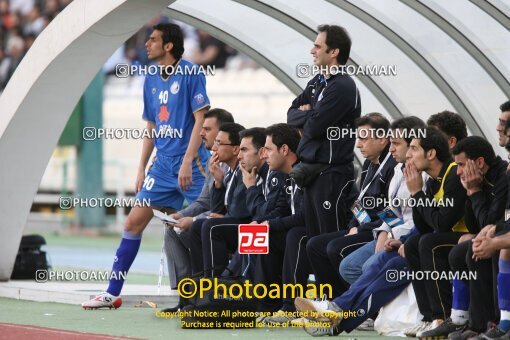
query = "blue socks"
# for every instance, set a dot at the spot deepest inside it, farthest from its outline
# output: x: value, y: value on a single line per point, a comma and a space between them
x: 460, y: 303
x: 504, y: 294
x: 126, y: 254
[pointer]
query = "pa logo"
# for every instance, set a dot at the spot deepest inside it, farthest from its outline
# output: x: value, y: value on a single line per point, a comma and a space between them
x: 326, y: 205
x: 274, y: 181
x: 115, y: 258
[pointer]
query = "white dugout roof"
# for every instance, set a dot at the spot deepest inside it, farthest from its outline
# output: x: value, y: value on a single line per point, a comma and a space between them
x: 448, y: 55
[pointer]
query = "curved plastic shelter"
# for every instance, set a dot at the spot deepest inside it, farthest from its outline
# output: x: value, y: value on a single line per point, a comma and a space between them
x: 442, y: 63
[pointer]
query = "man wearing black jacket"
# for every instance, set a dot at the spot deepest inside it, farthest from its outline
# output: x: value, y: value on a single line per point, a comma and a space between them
x: 239, y: 200
x: 226, y: 204
x: 286, y: 261
x: 438, y: 215
x: 482, y: 174
x: 260, y: 193
x: 327, y: 251
x: 324, y: 111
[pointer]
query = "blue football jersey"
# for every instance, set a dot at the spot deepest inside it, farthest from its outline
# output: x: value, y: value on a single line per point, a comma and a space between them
x: 171, y: 103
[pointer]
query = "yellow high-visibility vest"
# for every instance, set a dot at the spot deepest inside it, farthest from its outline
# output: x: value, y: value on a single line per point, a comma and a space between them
x: 460, y: 226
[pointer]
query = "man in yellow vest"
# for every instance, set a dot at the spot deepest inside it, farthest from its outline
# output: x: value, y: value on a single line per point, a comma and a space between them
x: 438, y: 214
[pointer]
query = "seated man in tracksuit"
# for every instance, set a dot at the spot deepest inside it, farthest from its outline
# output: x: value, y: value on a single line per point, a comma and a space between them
x: 178, y: 258
x: 286, y: 261
x: 327, y: 251
x: 227, y: 191
x: 482, y: 310
x: 379, y: 284
x: 262, y: 192
x: 374, y: 288
x: 488, y: 243
x: 439, y: 217
x: 219, y: 238
x: 483, y: 176
x: 371, y: 280
x: 397, y: 216
x: 452, y: 124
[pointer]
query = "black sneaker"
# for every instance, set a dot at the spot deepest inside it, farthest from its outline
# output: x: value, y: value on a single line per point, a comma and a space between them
x: 442, y: 331
x: 173, y: 309
x: 463, y: 334
x: 494, y: 333
x: 504, y: 337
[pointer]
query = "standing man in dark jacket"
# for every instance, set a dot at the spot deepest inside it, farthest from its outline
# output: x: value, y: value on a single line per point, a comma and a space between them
x: 325, y: 111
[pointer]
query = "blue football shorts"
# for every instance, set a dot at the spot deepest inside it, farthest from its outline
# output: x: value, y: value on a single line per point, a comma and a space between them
x: 161, y: 185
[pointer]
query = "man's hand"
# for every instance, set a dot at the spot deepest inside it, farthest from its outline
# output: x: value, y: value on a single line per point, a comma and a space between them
x: 249, y: 178
x: 473, y: 178
x: 413, y: 178
x: 215, y: 215
x: 176, y: 216
x: 401, y: 251
x: 353, y: 231
x: 216, y: 171
x: 184, y: 178
x: 466, y: 237
x: 392, y: 244
x: 184, y: 223
x: 140, y: 177
x: 483, y: 248
x: 487, y: 231
x: 305, y: 107
x: 382, y: 237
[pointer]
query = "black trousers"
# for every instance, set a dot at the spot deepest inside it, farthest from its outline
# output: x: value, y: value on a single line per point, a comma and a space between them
x: 296, y: 265
x: 209, y: 239
x: 269, y: 268
x: 286, y: 263
x: 482, y: 292
x: 219, y: 240
x: 191, y: 238
x: 429, y: 252
x: 327, y: 201
x: 327, y: 251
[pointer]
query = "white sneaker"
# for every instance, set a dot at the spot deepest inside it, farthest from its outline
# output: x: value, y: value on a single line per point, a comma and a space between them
x: 432, y: 325
x: 412, y: 331
x: 103, y: 300
x: 367, y: 325
x: 280, y: 317
x: 319, y: 310
x: 320, y: 328
x: 299, y: 322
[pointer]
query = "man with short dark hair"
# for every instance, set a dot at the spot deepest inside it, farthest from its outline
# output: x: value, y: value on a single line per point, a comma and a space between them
x: 439, y: 217
x: 174, y: 108
x: 286, y: 262
x: 225, y: 193
x: 503, y: 118
x: 329, y: 104
x: 482, y: 175
x: 451, y: 124
x: 262, y: 188
x: 372, y: 289
x: 177, y: 254
x: 327, y: 251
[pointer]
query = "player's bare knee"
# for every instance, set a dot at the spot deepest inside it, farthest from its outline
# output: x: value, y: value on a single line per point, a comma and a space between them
x: 134, y: 225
